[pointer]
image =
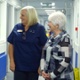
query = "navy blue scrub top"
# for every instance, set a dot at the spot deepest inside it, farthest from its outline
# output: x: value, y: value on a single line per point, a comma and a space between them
x: 27, y: 46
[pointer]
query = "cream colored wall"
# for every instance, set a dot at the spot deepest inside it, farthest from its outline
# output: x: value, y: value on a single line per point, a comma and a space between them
x: 7, y: 21
x: 76, y: 34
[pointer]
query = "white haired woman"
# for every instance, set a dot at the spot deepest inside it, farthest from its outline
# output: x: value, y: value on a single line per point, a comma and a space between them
x: 26, y: 42
x: 56, y: 52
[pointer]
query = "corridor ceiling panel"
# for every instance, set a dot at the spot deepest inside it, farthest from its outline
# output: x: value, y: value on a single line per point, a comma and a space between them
x: 42, y: 5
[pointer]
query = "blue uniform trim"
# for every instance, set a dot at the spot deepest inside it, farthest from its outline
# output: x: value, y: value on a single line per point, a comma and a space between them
x: 3, y: 65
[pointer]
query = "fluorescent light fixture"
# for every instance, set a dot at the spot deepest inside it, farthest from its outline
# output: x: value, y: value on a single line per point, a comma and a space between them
x: 47, y: 4
x: 41, y: 3
x: 53, y: 4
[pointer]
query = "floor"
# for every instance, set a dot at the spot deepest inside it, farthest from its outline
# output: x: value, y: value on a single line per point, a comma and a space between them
x: 9, y: 76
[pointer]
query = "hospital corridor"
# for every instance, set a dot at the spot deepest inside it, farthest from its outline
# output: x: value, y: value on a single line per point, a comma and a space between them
x: 24, y: 47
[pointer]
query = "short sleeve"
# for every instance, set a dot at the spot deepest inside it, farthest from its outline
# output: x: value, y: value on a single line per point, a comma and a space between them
x: 43, y: 37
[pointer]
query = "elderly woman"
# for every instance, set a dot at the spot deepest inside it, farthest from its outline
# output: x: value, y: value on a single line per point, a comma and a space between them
x: 26, y: 42
x: 56, y: 52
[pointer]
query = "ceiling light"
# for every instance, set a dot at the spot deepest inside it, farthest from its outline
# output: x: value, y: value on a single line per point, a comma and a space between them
x: 53, y: 4
x: 41, y: 3
x: 48, y: 5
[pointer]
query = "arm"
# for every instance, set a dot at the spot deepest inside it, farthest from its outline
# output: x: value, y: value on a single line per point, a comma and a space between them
x: 10, y: 51
x: 43, y: 39
x: 41, y: 68
x: 10, y: 39
x: 42, y: 63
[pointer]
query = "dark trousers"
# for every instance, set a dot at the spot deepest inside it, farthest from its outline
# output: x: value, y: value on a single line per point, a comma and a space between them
x: 61, y: 79
x: 22, y: 75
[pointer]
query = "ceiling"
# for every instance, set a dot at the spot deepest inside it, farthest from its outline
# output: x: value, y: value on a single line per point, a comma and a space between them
x: 64, y: 5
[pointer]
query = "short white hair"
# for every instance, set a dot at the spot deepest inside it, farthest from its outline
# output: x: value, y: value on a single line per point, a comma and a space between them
x: 31, y: 14
x: 58, y: 18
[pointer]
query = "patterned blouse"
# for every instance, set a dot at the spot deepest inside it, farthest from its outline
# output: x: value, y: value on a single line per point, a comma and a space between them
x: 56, y: 57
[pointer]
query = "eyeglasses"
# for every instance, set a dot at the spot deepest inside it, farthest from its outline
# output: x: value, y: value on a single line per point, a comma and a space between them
x: 24, y: 36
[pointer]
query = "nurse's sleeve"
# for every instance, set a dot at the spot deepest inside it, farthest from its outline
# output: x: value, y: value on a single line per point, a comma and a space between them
x: 42, y: 37
x: 11, y: 37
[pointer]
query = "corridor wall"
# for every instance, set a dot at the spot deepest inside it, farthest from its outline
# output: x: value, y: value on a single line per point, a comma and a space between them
x: 3, y: 56
x: 76, y: 34
x: 4, y: 27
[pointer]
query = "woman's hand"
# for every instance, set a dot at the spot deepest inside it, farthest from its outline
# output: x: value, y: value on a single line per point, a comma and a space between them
x: 12, y: 66
x: 46, y: 75
x: 10, y: 51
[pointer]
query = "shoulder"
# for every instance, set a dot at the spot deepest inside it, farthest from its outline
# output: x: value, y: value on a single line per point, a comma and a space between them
x: 18, y: 26
x: 65, y: 41
x: 37, y: 26
x: 40, y: 25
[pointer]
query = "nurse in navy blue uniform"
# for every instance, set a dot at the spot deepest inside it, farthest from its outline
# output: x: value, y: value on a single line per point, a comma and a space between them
x: 25, y: 45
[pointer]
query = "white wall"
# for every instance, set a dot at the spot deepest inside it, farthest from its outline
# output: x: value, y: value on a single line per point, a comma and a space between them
x: 17, y: 16
x: 76, y: 34
x: 3, y: 23
x: 4, y: 17
x: 9, y: 15
x: 13, y: 13
x: 68, y: 25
